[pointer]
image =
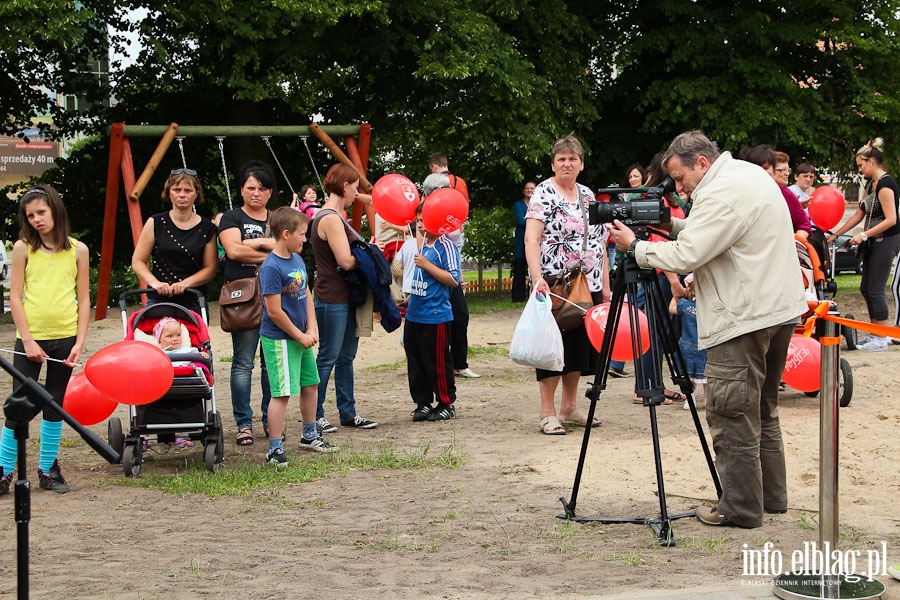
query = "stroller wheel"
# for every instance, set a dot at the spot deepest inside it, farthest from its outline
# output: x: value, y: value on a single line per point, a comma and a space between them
x: 131, y: 460
x: 209, y: 458
x: 114, y: 434
x: 849, y: 334
x: 845, y: 383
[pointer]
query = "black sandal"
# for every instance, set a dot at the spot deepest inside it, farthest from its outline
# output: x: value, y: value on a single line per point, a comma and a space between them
x: 244, y: 436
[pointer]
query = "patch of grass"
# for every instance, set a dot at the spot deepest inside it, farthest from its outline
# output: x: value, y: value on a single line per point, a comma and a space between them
x: 243, y: 479
x: 387, y: 367
x: 851, y: 536
x: 226, y: 359
x: 563, y: 544
x: 481, y: 303
x: 483, y: 351
x: 807, y: 521
x: 710, y: 544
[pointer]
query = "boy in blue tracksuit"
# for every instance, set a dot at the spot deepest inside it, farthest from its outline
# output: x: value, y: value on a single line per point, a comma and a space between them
x: 426, y: 336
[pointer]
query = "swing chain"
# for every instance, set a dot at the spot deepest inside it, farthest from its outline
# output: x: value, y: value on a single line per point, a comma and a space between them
x: 313, y: 163
x: 220, y: 139
x: 180, y: 140
x: 278, y: 162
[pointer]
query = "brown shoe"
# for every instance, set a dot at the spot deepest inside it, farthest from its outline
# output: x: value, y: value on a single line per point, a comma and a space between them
x: 709, y: 515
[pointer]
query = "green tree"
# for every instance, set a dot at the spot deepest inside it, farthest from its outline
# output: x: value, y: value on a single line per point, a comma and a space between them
x: 813, y: 78
x: 44, y: 47
x: 489, y: 238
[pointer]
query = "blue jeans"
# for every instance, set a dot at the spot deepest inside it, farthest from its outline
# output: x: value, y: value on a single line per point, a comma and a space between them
x: 337, y: 350
x: 245, y: 344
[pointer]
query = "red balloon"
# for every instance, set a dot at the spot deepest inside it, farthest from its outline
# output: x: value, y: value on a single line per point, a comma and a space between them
x: 85, y: 403
x: 826, y: 207
x: 131, y: 372
x: 802, y: 368
x: 596, y: 329
x: 445, y: 210
x: 395, y: 199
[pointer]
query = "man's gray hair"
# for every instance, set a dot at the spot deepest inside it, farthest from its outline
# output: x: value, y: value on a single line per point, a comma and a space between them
x: 435, y: 181
x: 689, y: 146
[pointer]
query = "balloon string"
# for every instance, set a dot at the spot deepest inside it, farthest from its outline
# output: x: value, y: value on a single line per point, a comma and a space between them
x: 45, y: 358
x: 581, y: 308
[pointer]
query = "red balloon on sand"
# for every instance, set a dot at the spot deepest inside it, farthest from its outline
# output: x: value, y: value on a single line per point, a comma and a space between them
x: 826, y: 207
x: 131, y: 372
x: 395, y: 199
x: 595, y: 323
x: 802, y: 368
x: 85, y: 403
x: 445, y: 211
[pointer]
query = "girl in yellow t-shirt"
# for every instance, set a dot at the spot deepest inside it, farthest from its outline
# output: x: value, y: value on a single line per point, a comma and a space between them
x: 50, y: 303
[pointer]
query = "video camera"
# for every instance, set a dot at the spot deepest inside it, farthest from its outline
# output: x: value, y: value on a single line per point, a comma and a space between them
x: 650, y: 209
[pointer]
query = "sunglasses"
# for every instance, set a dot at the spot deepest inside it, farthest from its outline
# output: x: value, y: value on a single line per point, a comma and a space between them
x: 190, y: 172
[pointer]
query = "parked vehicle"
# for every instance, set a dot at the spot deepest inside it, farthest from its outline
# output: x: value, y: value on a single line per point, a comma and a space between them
x: 4, y: 262
x: 845, y: 256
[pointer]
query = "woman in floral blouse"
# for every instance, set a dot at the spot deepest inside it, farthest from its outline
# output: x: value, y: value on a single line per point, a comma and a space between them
x: 554, y: 242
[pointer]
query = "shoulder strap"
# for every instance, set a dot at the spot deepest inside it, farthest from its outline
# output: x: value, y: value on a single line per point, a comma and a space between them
x: 347, y: 226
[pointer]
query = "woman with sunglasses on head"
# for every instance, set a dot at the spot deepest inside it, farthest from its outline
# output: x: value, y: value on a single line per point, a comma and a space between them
x: 879, y: 240
x: 181, y: 243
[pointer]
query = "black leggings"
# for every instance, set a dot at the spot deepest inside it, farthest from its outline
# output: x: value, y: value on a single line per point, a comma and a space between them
x: 57, y: 373
x: 876, y: 267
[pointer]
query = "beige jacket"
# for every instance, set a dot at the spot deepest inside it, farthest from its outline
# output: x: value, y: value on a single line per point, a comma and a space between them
x: 739, y: 243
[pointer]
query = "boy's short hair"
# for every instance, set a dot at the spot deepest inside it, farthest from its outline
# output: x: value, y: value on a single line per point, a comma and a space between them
x: 285, y: 218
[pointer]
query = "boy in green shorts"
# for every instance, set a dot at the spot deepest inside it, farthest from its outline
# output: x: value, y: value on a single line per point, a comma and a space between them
x: 288, y: 333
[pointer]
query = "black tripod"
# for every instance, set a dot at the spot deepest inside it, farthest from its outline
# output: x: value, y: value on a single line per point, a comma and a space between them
x: 20, y: 408
x: 650, y: 388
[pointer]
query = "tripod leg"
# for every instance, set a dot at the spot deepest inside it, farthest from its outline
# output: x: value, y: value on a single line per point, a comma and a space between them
x: 593, y: 394
x: 668, y: 338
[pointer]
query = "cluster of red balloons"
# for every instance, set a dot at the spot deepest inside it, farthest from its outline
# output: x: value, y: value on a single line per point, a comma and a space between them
x: 396, y: 198
x: 826, y: 207
x: 802, y: 368
x: 595, y: 323
x: 127, y: 372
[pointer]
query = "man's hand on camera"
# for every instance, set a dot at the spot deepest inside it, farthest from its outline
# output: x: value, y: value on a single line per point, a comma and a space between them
x: 621, y: 235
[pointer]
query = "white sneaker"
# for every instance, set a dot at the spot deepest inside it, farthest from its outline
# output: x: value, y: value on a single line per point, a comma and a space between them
x: 894, y: 571
x: 686, y: 405
x: 876, y: 344
x: 467, y: 373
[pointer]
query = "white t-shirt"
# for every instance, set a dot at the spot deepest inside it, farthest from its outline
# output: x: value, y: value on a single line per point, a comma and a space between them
x: 407, y: 257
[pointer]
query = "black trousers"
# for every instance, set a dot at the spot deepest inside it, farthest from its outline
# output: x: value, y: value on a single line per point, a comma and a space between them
x: 429, y: 367
x: 459, y: 333
x: 57, y: 373
x: 519, y: 287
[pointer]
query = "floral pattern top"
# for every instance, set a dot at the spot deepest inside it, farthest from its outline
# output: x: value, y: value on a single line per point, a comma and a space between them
x: 563, y: 238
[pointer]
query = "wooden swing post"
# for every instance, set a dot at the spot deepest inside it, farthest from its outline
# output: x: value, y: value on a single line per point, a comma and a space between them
x: 120, y: 168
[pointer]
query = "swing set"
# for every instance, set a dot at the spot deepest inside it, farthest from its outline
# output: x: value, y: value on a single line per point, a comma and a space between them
x: 121, y: 168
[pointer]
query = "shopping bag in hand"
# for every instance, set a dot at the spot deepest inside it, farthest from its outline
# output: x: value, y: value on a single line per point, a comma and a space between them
x: 537, y: 341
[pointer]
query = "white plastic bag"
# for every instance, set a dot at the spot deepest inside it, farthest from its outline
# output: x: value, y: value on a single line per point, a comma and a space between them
x: 537, y: 341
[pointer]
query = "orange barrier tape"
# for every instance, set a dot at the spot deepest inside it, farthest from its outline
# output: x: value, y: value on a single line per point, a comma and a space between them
x: 820, y: 310
x: 830, y: 341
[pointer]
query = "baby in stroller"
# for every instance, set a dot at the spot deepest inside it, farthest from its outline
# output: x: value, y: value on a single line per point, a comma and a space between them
x: 168, y: 335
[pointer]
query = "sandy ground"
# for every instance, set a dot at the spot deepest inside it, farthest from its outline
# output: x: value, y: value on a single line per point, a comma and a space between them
x: 488, y: 529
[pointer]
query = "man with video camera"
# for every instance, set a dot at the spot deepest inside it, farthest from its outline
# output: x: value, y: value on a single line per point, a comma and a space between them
x: 738, y: 242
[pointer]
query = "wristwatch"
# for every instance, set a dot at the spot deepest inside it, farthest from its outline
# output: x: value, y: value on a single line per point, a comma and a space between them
x: 863, y: 236
x: 630, y: 251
